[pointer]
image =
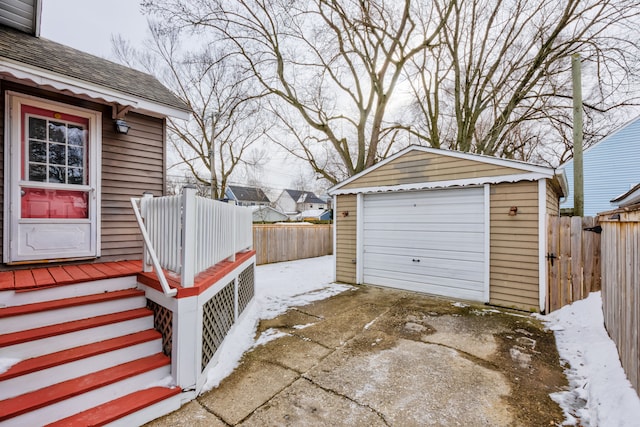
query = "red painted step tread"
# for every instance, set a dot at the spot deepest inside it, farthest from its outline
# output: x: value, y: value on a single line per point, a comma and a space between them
x: 28, y: 402
x: 118, y: 408
x: 39, y: 307
x: 77, y: 353
x: 73, y: 326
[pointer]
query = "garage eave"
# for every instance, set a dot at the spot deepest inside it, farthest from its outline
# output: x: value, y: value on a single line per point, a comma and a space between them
x: 445, y: 184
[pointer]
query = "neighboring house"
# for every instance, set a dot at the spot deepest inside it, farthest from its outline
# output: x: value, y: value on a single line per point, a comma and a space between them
x: 247, y: 196
x: 267, y: 214
x: 91, y: 338
x: 610, y: 169
x: 448, y: 223
x: 296, y: 201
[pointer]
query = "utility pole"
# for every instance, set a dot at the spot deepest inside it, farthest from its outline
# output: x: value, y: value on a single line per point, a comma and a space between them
x: 578, y: 176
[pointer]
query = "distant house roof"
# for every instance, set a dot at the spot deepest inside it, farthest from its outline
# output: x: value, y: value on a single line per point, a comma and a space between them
x: 248, y: 194
x: 304, y: 196
x: 50, y: 64
x: 631, y: 197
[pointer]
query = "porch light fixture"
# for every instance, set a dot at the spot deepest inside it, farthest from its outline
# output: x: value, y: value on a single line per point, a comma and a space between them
x: 513, y: 211
x: 121, y: 126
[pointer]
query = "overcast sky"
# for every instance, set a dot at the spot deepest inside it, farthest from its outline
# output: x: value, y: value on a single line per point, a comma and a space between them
x: 88, y: 25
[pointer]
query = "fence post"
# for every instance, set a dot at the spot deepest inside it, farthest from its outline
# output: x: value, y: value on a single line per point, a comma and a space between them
x: 144, y: 209
x: 188, y: 236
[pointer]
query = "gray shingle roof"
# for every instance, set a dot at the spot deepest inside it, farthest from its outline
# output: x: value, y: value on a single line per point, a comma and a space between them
x: 55, y: 57
x: 249, y: 194
x: 304, y: 196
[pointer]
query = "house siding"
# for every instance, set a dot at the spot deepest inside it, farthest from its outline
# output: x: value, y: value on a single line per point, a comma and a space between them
x: 419, y: 166
x: 346, y: 238
x: 610, y: 169
x: 514, y: 268
x: 131, y: 164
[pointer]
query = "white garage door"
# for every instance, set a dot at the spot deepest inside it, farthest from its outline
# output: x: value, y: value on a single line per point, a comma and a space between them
x: 427, y: 241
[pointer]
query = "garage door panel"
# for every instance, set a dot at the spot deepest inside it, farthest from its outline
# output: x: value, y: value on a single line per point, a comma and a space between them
x: 439, y: 288
x: 431, y: 239
x: 444, y: 229
x: 414, y: 225
x: 436, y: 268
x: 435, y: 254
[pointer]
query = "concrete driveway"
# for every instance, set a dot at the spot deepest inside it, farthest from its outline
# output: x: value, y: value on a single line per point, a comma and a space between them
x: 381, y: 357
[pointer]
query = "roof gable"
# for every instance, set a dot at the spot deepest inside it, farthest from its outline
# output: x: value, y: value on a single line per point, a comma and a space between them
x: 46, y: 62
x: 301, y: 196
x: 417, y: 164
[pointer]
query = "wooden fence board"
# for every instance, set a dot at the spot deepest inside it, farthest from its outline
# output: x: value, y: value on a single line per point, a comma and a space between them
x: 621, y: 287
x: 576, y: 258
x: 575, y: 270
x: 288, y: 242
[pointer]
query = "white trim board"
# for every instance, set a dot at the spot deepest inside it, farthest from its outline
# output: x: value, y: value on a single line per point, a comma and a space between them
x: 444, y: 184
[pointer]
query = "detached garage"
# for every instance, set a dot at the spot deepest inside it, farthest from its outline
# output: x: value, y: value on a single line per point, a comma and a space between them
x: 448, y: 223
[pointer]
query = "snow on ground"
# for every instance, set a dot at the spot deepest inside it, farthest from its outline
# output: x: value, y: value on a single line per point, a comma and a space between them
x: 599, y: 395
x: 278, y: 287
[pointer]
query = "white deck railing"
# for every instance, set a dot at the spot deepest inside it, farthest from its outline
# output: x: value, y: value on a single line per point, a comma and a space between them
x: 187, y: 234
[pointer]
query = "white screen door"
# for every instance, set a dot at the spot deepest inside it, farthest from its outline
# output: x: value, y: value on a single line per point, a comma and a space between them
x: 53, y: 182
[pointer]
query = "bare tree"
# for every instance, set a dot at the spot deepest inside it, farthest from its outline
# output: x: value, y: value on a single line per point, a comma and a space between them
x: 331, y: 67
x: 483, y: 76
x: 227, y: 117
x: 499, y: 80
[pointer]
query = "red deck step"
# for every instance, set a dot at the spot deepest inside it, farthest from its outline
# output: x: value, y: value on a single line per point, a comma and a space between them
x: 77, y: 353
x: 28, y: 402
x: 67, y: 327
x: 116, y: 409
x: 68, y: 302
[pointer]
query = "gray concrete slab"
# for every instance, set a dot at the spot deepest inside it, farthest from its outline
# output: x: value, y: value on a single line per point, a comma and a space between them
x: 375, y: 356
x: 305, y: 404
x: 252, y: 384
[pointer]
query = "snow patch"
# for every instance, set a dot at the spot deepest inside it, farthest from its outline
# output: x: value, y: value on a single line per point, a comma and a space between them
x: 269, y: 335
x: 599, y: 392
x: 6, y: 363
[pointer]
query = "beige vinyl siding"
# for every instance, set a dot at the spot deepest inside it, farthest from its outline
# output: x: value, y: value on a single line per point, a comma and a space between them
x: 513, y: 270
x: 131, y: 165
x: 553, y: 200
x: 346, y: 238
x: 418, y: 166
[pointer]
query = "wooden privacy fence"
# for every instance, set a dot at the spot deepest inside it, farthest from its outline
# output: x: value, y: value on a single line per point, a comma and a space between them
x: 288, y: 242
x: 573, y: 259
x: 621, y: 287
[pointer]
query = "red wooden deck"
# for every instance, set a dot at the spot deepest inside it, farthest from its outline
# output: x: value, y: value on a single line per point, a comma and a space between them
x: 44, y: 277
x: 203, y: 281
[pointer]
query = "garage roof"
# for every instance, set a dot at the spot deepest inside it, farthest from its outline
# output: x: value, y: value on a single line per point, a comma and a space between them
x: 523, y: 171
